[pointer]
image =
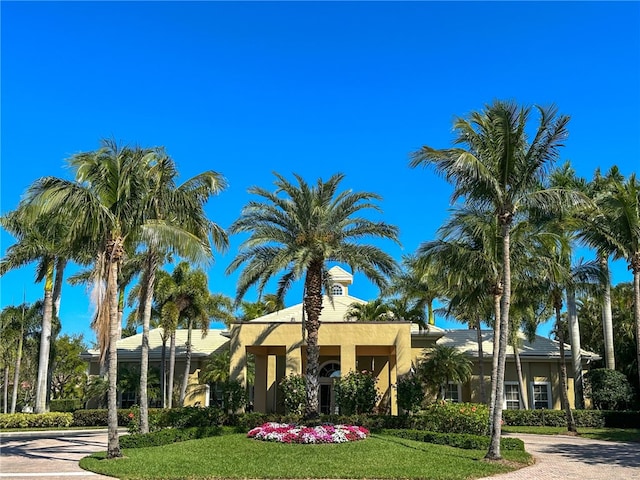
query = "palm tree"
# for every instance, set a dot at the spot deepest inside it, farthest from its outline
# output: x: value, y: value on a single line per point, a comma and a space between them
x: 622, y: 207
x: 106, y: 206
x: 298, y: 229
x: 177, y: 211
x: 374, y: 311
x: 42, y: 240
x: 442, y: 365
x: 501, y: 169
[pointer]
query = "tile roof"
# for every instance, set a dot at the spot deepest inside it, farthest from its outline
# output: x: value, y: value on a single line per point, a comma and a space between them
x: 130, y: 347
x: 330, y: 313
x: 465, y: 340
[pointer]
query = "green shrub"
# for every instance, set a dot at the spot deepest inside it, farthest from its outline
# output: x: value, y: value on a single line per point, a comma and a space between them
x: 99, y: 418
x: 35, y: 420
x: 167, y: 436
x: 65, y: 405
x: 410, y: 393
x: 609, y: 389
x: 234, y: 396
x: 583, y: 418
x: 185, y: 417
x: 450, y: 417
x: 458, y: 440
x: 294, y: 393
x: 356, y: 392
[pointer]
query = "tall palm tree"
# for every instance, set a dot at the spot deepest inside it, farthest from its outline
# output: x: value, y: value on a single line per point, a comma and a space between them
x: 620, y: 223
x: 501, y: 169
x: 43, y: 240
x: 177, y: 211
x: 106, y: 204
x: 298, y: 229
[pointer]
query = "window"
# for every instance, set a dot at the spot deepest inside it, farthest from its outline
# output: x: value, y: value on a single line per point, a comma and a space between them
x: 330, y: 369
x: 541, y: 392
x: 128, y: 399
x: 511, y: 396
x: 216, y: 396
x: 336, y: 290
x: 453, y: 393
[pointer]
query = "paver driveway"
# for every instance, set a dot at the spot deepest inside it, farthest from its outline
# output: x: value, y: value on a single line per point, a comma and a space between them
x: 562, y: 457
x: 49, y: 455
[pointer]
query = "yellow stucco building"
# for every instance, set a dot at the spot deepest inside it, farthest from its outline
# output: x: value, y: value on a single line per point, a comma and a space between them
x: 388, y: 349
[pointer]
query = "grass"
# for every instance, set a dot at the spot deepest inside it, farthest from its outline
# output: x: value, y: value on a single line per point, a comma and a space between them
x: 236, y: 456
x: 610, y: 434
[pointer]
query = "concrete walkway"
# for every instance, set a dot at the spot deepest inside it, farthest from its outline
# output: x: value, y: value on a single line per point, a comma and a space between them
x: 562, y: 457
x: 55, y: 456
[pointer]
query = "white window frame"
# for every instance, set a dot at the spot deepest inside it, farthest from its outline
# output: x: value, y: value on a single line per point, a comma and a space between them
x: 337, y: 290
x: 459, y: 389
x: 504, y: 395
x: 549, y: 396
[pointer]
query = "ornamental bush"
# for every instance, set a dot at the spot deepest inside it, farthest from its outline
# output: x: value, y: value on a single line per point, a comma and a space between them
x: 356, y: 392
x: 294, y: 394
x: 609, y: 389
x: 65, y: 405
x: 167, y: 436
x: 35, y: 420
x: 458, y: 440
x: 410, y: 393
x: 448, y: 417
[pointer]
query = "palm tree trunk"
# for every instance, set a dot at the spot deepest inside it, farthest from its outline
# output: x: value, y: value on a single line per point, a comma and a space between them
x: 571, y: 423
x: 496, y: 432
x: 494, y: 359
x: 576, y: 355
x: 172, y: 367
x: 483, y: 393
x: 120, y: 311
x: 607, y: 316
x: 61, y: 264
x: 113, y: 443
x: 521, y: 386
x: 430, y: 315
x: 313, y: 306
x: 187, y: 366
x: 163, y: 370
x: 45, y: 343
x: 146, y: 296
x: 16, y: 372
x: 635, y: 267
x: 5, y: 396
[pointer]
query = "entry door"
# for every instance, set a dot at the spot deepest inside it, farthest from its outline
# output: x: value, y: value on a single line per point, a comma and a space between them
x: 326, y: 392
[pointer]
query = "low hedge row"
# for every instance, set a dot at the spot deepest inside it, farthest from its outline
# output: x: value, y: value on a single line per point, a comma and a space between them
x: 65, y: 405
x: 458, y: 440
x: 583, y: 418
x: 31, y: 420
x: 167, y: 436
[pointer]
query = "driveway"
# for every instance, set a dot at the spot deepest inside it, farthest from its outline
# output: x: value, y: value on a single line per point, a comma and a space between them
x: 49, y: 455
x: 562, y: 457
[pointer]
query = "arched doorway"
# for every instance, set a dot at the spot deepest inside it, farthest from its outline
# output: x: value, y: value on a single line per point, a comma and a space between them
x: 328, y: 372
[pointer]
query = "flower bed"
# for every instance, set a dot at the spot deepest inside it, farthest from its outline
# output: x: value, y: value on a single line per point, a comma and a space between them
x: 286, y: 433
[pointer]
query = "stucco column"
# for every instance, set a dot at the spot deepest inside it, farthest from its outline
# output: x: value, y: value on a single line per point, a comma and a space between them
x: 238, y: 360
x: 293, y: 361
x: 393, y: 381
x: 347, y: 358
x: 272, y: 388
x: 260, y: 384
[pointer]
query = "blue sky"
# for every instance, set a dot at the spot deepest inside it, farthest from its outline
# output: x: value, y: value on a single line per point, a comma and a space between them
x: 249, y: 88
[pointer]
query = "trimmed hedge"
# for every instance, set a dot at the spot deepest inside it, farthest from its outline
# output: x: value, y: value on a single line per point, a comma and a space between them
x: 458, y: 440
x: 167, y: 436
x: 65, y: 405
x: 35, y: 420
x: 583, y: 418
x: 99, y: 418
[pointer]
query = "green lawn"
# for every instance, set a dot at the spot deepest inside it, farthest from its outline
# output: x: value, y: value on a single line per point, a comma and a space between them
x: 611, y: 434
x: 236, y: 456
